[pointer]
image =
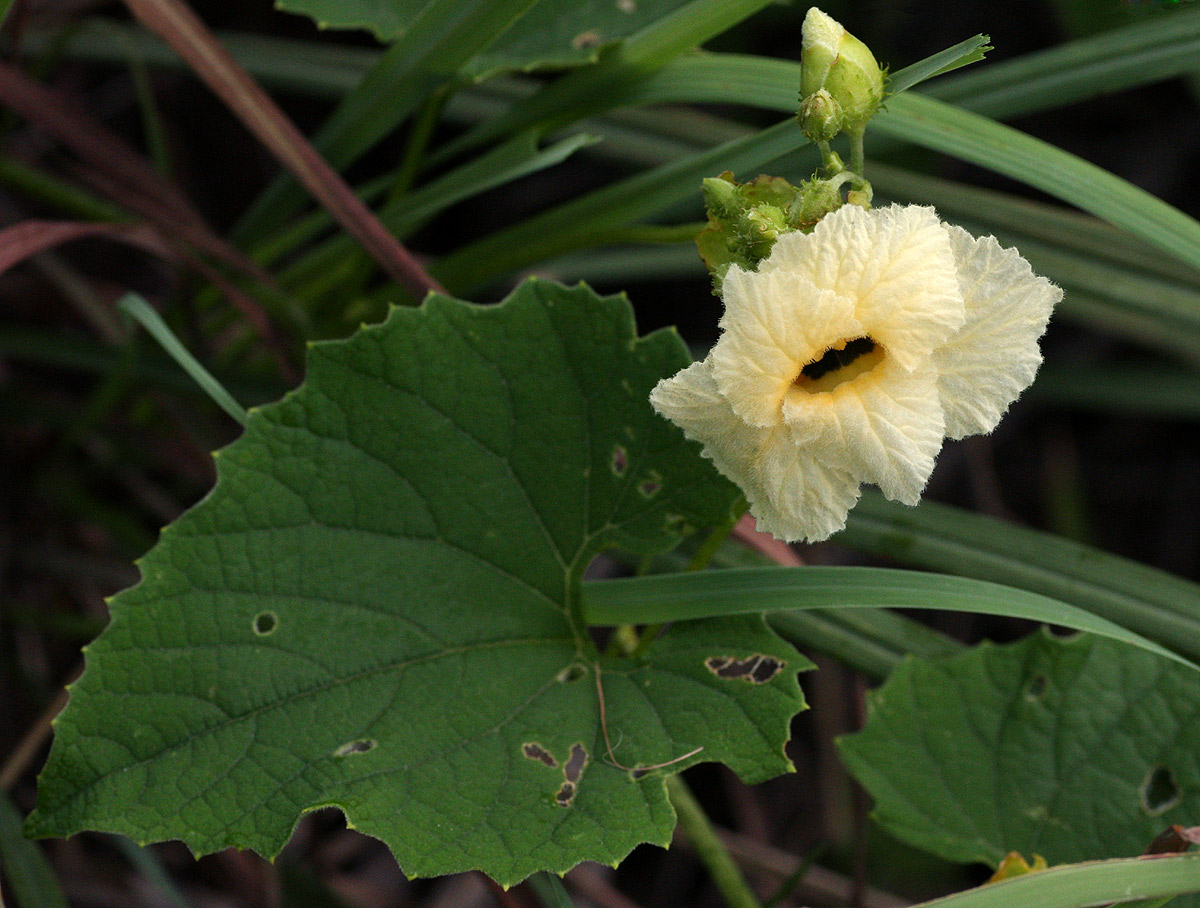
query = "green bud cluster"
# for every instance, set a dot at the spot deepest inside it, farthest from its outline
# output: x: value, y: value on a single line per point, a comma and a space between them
x: 745, y: 219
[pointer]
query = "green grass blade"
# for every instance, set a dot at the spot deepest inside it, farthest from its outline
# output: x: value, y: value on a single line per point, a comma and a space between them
x: 588, y: 91
x: 706, y: 594
x: 1082, y: 885
x: 1139, y: 54
x: 550, y: 891
x: 1152, y: 603
x: 962, y: 54
x: 520, y: 156
x: 970, y: 137
x: 593, y: 217
x: 1133, y: 390
x: 1001, y: 212
x: 439, y: 41
x: 145, y: 315
x: 31, y: 879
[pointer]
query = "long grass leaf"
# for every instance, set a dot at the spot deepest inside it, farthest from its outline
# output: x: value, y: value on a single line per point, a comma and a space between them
x: 970, y: 137
x: 704, y: 594
x: 445, y: 35
x: 1153, y: 603
x: 141, y: 311
x: 1081, y: 885
x: 30, y: 877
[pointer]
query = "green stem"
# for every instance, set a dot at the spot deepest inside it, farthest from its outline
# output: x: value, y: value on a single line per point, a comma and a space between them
x: 856, y: 151
x: 713, y: 854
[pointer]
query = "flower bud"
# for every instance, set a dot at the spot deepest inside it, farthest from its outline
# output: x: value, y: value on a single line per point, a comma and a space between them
x: 820, y: 116
x: 838, y: 63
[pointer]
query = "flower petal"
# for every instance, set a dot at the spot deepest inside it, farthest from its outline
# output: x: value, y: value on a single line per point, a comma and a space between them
x: 773, y: 324
x: 895, y: 263
x: 884, y: 426
x: 791, y: 495
x: 994, y: 356
x: 804, y: 498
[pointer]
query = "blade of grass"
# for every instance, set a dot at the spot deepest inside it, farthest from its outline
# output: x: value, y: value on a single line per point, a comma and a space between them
x: 1069, y: 230
x: 1153, y: 603
x: 30, y: 877
x: 182, y: 29
x: 594, y: 216
x: 1138, y: 54
x: 970, y: 137
x: 704, y: 594
x: 607, y: 84
x: 1135, y: 390
x: 143, y: 313
x: 1082, y: 885
x: 442, y: 38
x: 550, y: 891
x: 512, y: 160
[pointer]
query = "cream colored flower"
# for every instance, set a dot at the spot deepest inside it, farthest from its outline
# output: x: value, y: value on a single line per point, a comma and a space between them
x: 848, y: 357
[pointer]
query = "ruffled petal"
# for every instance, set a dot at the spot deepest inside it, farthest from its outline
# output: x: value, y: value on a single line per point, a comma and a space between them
x: 773, y: 324
x: 804, y: 499
x: 895, y: 263
x: 994, y: 356
x: 884, y: 426
x: 791, y: 495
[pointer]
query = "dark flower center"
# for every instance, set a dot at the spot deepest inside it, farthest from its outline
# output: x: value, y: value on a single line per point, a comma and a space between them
x: 834, y: 358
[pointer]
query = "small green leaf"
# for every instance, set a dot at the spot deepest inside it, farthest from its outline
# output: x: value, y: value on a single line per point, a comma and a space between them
x: 1074, y: 749
x: 377, y: 608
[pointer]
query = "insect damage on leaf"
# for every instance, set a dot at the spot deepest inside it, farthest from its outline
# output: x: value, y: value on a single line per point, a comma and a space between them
x: 535, y: 751
x: 756, y: 669
x: 350, y: 748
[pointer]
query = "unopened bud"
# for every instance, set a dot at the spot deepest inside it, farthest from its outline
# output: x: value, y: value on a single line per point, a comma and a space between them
x: 838, y: 63
x: 820, y: 116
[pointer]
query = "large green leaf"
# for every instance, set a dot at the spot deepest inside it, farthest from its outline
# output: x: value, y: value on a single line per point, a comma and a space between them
x: 1073, y: 749
x: 377, y: 608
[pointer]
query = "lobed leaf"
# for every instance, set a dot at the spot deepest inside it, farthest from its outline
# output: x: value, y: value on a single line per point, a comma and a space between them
x: 377, y: 608
x: 1074, y: 749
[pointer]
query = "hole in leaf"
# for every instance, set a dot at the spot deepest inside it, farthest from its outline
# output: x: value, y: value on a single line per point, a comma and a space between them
x: 265, y: 623
x: 756, y: 669
x: 574, y: 767
x: 620, y: 460
x: 1159, y: 792
x: 572, y: 672
x: 565, y: 794
x: 1037, y: 687
x: 650, y: 487
x: 350, y: 748
x: 535, y: 751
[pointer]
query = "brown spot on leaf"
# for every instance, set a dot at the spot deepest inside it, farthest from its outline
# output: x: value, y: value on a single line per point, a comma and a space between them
x: 535, y: 751
x: 757, y: 669
x: 565, y: 794
x: 576, y: 763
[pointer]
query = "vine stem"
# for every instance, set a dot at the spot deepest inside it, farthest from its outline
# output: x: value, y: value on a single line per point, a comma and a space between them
x: 712, y: 852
